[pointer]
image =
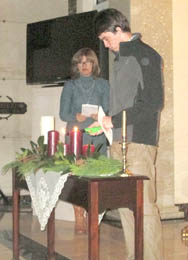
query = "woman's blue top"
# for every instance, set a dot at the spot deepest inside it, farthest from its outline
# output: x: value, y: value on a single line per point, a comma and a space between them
x: 84, y: 90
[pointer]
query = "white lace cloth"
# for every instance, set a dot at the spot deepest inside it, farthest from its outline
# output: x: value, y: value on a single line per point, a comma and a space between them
x: 45, y: 189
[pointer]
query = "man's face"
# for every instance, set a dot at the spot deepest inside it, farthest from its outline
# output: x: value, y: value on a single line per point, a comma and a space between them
x: 111, y: 40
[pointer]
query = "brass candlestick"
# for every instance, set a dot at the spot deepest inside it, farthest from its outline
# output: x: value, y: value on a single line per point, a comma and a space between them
x: 125, y: 171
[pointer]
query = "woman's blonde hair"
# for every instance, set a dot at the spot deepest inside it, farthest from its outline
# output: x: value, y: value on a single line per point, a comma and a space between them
x: 90, y: 56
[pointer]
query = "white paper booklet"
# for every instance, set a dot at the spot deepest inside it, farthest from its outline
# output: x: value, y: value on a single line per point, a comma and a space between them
x: 109, y: 133
x: 88, y: 110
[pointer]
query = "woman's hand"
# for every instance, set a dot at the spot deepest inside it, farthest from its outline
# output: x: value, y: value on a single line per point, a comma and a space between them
x: 94, y: 116
x: 95, y: 124
x: 80, y: 117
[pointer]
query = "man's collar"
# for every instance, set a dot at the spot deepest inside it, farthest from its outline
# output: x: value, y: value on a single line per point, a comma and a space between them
x: 128, y: 44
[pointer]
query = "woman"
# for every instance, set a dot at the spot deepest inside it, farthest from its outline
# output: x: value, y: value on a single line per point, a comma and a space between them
x: 85, y: 87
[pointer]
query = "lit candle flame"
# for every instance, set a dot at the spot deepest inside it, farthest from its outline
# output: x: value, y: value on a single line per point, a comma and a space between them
x: 63, y: 131
x: 75, y: 128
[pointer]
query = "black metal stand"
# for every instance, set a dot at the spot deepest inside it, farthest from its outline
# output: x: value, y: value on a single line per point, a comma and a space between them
x: 3, y: 197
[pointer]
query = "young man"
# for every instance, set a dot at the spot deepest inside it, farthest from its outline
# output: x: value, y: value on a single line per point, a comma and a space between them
x: 136, y: 87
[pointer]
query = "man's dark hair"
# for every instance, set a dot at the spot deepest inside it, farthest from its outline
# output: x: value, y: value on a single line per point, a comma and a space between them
x: 108, y: 20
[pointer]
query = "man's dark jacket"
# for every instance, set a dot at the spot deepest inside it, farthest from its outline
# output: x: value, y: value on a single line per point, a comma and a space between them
x: 137, y: 87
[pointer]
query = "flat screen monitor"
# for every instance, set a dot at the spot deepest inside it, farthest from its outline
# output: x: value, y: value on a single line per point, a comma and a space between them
x: 52, y: 43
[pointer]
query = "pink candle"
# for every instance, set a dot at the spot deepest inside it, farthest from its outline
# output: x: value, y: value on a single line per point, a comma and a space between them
x: 53, y: 138
x: 76, y: 142
x: 85, y: 148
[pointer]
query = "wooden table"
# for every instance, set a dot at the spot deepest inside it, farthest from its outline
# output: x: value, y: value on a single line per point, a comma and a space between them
x: 95, y: 195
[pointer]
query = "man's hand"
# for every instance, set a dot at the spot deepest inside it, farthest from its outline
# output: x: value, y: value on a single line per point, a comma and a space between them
x: 107, y: 122
x: 80, y: 117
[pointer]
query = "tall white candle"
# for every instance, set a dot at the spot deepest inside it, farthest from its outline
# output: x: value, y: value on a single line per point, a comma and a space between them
x: 62, y: 132
x: 47, y: 124
x: 124, y: 124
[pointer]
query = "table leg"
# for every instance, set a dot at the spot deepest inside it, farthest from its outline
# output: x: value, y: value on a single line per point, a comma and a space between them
x: 93, y: 232
x: 51, y: 236
x: 139, y: 221
x: 15, y: 212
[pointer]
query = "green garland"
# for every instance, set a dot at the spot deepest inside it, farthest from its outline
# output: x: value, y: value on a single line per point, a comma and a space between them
x: 31, y: 160
x: 100, y: 167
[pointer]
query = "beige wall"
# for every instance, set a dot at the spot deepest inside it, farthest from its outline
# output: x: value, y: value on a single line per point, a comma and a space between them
x: 84, y: 6
x: 14, y: 16
x: 28, y: 11
x: 180, y: 82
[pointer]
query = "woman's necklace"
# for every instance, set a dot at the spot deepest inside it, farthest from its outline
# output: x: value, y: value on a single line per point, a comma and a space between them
x: 87, y: 91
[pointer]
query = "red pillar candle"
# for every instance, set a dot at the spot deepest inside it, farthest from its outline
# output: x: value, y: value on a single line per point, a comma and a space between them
x: 85, y: 149
x: 53, y: 138
x: 76, y: 142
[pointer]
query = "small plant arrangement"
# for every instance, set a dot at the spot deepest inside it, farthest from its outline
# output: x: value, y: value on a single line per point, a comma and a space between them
x: 31, y: 160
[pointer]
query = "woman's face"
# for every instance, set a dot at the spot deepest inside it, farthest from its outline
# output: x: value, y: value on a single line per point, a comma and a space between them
x: 85, y: 67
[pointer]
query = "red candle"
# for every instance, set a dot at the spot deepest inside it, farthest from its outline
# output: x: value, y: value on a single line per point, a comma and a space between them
x: 66, y: 149
x: 85, y: 148
x: 76, y: 142
x: 53, y: 138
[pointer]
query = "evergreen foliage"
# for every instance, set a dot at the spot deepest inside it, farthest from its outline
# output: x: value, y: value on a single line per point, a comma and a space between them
x: 31, y: 160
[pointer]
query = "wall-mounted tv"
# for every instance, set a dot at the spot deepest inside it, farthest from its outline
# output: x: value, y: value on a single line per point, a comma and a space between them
x: 52, y: 43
